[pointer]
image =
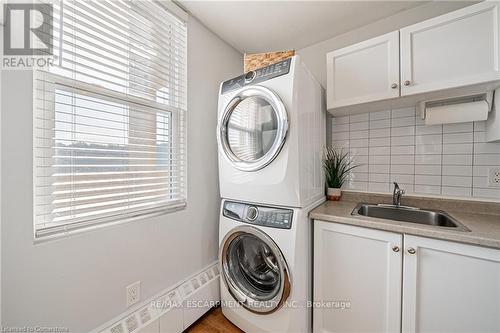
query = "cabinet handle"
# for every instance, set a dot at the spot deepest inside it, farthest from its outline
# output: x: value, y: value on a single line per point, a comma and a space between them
x: 395, y: 248
x: 394, y: 85
x: 407, y: 83
x: 411, y: 250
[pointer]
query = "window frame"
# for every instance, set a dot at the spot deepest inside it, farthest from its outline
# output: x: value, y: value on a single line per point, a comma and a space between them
x: 178, y: 116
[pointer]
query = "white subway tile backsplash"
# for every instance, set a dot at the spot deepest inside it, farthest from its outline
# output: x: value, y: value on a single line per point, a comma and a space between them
x: 457, y: 159
x: 380, y: 150
x: 361, y: 126
x: 383, y: 123
x: 458, y: 138
x: 432, y: 129
x: 427, y: 189
x: 340, y: 120
x: 406, y: 112
x: 428, y: 169
x: 486, y: 193
x: 403, y: 169
x: 380, y: 142
x: 403, y: 131
x: 358, y: 186
x: 359, y: 143
x: 479, y: 137
x: 457, y: 170
x: 378, y: 168
x: 487, y: 148
x: 380, y: 133
x: 456, y: 191
x: 434, y: 139
x: 403, y: 141
x: 457, y: 148
x: 403, y: 179
x: 358, y: 151
x: 339, y: 136
x: 340, y: 128
x: 379, y: 187
x: 358, y: 135
x: 379, y: 159
x: 428, y: 159
x: 402, y: 159
x: 460, y: 181
x: 458, y: 128
x: 479, y: 126
x: 358, y: 118
x: 386, y: 114
x: 395, y: 145
x: 405, y: 121
x: 429, y: 149
x: 403, y: 150
x: 427, y: 179
x: 379, y: 177
x: 487, y: 159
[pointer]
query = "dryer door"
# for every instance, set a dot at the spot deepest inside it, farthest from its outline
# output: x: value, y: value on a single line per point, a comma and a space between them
x: 252, y: 128
x: 254, y: 270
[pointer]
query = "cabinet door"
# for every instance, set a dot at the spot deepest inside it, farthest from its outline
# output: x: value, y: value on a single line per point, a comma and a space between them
x: 364, y: 72
x: 453, y: 50
x: 357, y: 279
x: 450, y: 287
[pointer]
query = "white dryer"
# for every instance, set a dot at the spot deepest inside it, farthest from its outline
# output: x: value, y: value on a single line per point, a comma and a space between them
x: 265, y: 264
x: 271, y: 132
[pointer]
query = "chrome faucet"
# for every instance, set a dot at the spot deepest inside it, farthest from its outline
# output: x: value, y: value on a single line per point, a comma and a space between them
x: 396, y: 195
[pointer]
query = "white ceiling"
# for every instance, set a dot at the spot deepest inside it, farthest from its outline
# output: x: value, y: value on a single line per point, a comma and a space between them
x: 261, y: 26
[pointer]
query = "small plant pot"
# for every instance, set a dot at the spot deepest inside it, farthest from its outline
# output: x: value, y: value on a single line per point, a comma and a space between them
x: 333, y: 194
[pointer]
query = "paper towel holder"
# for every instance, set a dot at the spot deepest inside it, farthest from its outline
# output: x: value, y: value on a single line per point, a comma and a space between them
x: 487, y: 97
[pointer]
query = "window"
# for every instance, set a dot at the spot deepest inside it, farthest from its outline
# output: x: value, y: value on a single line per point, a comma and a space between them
x: 109, y: 117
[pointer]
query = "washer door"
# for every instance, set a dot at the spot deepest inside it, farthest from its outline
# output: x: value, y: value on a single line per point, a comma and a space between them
x: 253, y: 128
x: 254, y: 270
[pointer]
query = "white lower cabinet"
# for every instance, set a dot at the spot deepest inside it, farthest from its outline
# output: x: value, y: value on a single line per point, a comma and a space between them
x: 450, y: 287
x: 360, y: 268
x: 394, y: 283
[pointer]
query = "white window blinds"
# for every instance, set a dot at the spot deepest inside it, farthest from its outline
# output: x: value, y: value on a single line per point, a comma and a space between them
x: 109, y: 116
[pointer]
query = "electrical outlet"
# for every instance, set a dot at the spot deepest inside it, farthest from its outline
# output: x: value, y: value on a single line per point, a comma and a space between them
x: 133, y: 293
x: 494, y: 177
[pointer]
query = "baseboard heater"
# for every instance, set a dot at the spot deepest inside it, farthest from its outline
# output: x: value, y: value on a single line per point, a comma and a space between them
x: 172, y: 310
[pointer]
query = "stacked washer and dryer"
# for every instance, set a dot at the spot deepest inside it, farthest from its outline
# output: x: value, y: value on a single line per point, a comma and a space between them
x: 271, y: 132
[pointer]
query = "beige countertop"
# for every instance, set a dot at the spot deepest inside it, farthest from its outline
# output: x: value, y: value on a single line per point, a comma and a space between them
x: 484, y: 228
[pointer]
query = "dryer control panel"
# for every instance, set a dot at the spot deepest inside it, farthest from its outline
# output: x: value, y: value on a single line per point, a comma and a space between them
x: 259, y: 75
x: 258, y: 215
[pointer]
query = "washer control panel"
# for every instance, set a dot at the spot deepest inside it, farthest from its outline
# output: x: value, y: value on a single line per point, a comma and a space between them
x: 259, y: 75
x: 258, y: 215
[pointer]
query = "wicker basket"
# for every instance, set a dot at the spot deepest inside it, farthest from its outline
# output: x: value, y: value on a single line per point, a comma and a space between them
x: 259, y: 60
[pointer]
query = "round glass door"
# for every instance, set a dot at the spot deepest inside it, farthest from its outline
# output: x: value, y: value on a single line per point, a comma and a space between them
x: 254, y: 270
x: 253, y: 128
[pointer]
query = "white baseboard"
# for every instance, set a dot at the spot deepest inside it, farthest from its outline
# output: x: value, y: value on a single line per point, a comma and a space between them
x: 173, y: 309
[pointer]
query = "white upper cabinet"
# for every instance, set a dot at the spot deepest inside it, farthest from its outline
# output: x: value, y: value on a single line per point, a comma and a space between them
x: 450, y: 51
x: 364, y: 72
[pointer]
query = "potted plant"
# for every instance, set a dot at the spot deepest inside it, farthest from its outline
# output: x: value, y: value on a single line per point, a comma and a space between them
x: 337, y: 165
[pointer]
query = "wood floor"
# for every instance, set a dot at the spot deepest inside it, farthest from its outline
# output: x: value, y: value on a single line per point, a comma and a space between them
x: 213, y: 322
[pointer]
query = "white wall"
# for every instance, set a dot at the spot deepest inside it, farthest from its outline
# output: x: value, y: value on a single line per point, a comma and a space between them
x: 79, y: 282
x: 314, y: 56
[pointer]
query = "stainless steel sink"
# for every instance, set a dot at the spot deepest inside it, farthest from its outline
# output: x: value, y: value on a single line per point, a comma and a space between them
x: 409, y: 214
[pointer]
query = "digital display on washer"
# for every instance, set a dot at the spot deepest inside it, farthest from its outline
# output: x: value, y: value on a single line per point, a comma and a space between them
x: 259, y: 75
x: 258, y: 215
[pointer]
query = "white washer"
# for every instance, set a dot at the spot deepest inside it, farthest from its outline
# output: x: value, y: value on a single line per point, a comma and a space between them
x: 265, y: 264
x: 271, y: 133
